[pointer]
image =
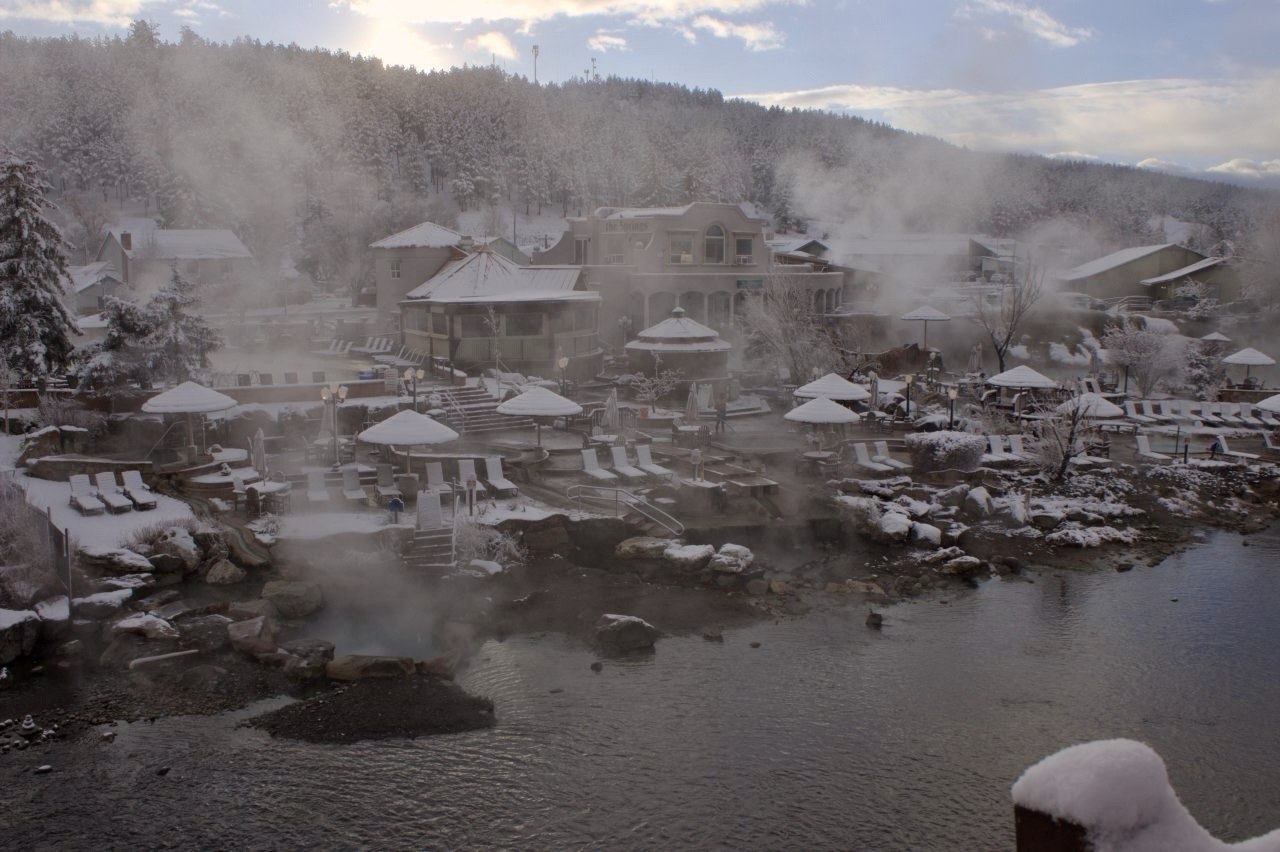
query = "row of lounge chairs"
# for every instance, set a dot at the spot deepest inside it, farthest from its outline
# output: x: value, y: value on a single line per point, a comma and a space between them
x: 622, y: 467
x: 1224, y: 449
x: 1234, y: 415
x: 374, y: 346
x: 337, y: 348
x: 406, y: 357
x: 880, y: 462
x: 103, y: 494
x: 386, y: 489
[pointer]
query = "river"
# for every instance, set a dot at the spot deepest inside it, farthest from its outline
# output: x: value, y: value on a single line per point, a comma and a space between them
x: 828, y: 735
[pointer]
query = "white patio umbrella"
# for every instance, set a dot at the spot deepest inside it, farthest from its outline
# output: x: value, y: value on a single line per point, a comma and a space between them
x: 1216, y: 337
x: 188, y: 398
x: 539, y: 402
x: 1091, y: 406
x: 832, y: 386
x: 408, y: 428
x: 1271, y: 403
x: 1022, y: 377
x: 691, y: 404
x: 926, y: 314
x: 1249, y: 358
x: 821, y: 411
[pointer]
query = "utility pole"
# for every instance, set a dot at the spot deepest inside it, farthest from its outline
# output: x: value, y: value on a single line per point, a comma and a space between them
x: 595, y: 77
x: 536, y: 51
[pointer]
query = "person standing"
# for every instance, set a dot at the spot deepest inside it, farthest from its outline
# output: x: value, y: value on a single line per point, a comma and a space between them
x: 722, y: 415
x: 695, y: 458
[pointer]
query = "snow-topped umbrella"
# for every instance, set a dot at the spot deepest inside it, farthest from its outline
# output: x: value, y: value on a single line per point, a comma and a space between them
x: 1271, y: 403
x: 1091, y: 406
x: 188, y: 398
x: 1023, y: 378
x: 408, y: 428
x: 925, y: 315
x: 1216, y: 337
x: 821, y: 411
x: 538, y: 403
x: 832, y: 386
x: 691, y: 404
x: 1249, y: 358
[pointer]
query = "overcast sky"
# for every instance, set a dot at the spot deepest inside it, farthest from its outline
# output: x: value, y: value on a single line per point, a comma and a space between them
x: 1171, y: 84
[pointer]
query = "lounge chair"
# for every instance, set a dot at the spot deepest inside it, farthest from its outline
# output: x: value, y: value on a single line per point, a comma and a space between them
x: 1131, y: 411
x: 430, y: 515
x: 351, y: 487
x: 435, y: 478
x: 1268, y: 419
x: 467, y: 473
x: 138, y: 491
x: 387, y: 358
x: 387, y: 483
x: 497, y: 480
x: 367, y: 349
x: 591, y: 467
x: 623, y: 467
x: 82, y: 496
x: 1270, y: 443
x: 1209, y: 414
x: 996, y: 453
x: 1016, y: 448
x: 1245, y: 412
x: 327, y: 350
x: 1145, y: 451
x: 862, y: 459
x: 1235, y: 454
x: 1225, y: 415
x: 317, y: 490
x: 882, y: 457
x: 644, y: 459
x: 109, y: 493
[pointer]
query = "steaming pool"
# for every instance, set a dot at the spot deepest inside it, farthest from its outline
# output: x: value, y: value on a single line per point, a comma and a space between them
x: 828, y: 735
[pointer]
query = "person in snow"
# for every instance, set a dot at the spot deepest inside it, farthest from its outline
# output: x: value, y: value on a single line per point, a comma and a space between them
x: 1215, y: 448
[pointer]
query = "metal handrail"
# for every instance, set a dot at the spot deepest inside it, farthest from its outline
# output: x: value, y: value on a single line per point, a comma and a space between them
x: 618, y: 497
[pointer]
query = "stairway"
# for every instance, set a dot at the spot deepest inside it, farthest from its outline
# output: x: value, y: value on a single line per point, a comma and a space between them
x: 431, y: 551
x: 646, y: 525
x: 473, y: 409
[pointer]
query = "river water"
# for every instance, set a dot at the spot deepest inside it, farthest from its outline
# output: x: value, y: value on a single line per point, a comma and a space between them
x: 828, y: 735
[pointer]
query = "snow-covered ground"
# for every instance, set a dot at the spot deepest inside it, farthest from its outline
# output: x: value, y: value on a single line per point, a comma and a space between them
x: 98, y: 530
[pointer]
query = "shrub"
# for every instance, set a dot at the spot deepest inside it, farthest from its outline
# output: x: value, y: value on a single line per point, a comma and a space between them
x: 477, y: 541
x: 933, y: 451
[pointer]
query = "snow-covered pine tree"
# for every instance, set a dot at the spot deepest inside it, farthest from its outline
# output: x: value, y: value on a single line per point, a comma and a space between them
x: 35, y: 327
x: 179, y: 342
x: 119, y: 359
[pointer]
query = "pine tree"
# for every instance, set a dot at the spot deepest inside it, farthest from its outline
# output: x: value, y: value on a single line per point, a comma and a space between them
x: 180, y: 342
x: 35, y: 328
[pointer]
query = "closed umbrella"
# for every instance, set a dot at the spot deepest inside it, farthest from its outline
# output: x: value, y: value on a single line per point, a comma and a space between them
x: 538, y: 403
x: 259, y: 453
x: 873, y: 389
x: 691, y: 404
x: 926, y: 315
x: 612, y: 417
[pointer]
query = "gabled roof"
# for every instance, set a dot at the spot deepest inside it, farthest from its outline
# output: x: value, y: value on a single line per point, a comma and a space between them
x: 800, y: 244
x: 186, y: 244
x: 1111, y: 261
x: 422, y: 235
x: 486, y: 276
x: 84, y: 277
x: 1177, y: 274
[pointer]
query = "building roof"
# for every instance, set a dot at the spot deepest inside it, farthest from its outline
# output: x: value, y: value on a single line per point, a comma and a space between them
x: 1111, y: 261
x: 422, y: 235
x: 485, y: 276
x: 660, y: 212
x: 1192, y: 269
x: 678, y: 333
x: 84, y: 277
x: 797, y: 245
x: 186, y: 244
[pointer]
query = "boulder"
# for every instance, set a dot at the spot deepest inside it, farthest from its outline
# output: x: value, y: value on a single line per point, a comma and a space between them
x: 19, y: 630
x: 182, y: 608
x: 245, y: 610
x: 166, y: 563
x: 1046, y: 520
x: 1015, y: 510
x: 953, y: 496
x: 203, y: 678
x: 350, y: 667
x: 127, y: 647
x: 135, y: 582
x: 178, y: 542
x: 894, y: 526
x: 206, y: 632
x: 977, y: 503
x: 111, y: 561
x: 146, y: 625
x: 781, y: 586
x: 55, y: 617
x: 926, y: 535
x: 310, y: 658
x: 101, y: 604
x: 157, y: 600
x: 624, y: 633
x: 731, y: 559
x: 688, y: 557
x: 642, y: 547
x: 865, y: 587
x: 293, y: 598
x: 960, y: 565
x: 213, y: 548
x: 225, y: 573
x: 255, y: 636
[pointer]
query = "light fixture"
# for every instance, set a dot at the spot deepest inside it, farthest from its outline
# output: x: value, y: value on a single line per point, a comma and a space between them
x: 953, y: 393
x: 909, y: 378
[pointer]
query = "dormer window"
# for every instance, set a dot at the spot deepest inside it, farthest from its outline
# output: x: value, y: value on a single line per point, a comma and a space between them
x: 713, y: 245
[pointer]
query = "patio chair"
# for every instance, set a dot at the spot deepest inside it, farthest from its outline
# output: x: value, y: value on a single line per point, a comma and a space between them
x: 1270, y: 443
x: 467, y: 473
x: 435, y: 478
x: 138, y: 491
x: 497, y: 480
x: 1235, y: 454
x: 1149, y: 411
x: 387, y: 483
x: 1209, y: 414
x: 1145, y: 451
x: 1017, y: 448
x: 1131, y: 411
x: 591, y: 467
x: 82, y: 495
x: 430, y: 515
x: 623, y: 467
x: 862, y: 459
x: 109, y: 493
x: 387, y: 358
x: 644, y: 458
x: 351, y: 487
x: 367, y: 348
x: 882, y: 456
x: 1265, y: 417
x: 1230, y: 414
x: 996, y: 453
x: 326, y: 350
x: 1246, y: 413
x: 317, y: 490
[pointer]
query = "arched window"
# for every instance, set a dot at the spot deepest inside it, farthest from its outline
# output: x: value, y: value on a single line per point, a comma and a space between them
x: 713, y: 245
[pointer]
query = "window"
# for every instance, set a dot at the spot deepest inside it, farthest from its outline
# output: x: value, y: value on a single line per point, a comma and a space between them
x: 713, y: 245
x: 439, y: 324
x: 474, y: 325
x: 680, y: 248
x: 524, y: 325
x: 580, y: 250
x: 750, y: 283
x: 395, y: 269
x: 742, y: 254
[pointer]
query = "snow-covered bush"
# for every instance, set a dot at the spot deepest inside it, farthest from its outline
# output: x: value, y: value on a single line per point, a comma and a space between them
x: 478, y: 541
x: 932, y: 451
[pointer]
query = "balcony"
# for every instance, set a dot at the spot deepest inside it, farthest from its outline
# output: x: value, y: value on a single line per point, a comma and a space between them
x: 743, y: 260
x: 614, y: 259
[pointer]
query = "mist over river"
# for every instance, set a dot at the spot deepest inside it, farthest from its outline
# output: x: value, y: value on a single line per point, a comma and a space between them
x: 829, y: 735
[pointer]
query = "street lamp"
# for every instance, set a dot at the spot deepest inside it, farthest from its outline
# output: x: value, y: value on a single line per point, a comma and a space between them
x: 909, y: 378
x: 952, y: 393
x: 411, y: 378
x: 563, y: 364
x: 332, y: 394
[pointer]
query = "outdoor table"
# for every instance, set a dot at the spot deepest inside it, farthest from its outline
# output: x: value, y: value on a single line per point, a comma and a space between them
x: 819, y: 455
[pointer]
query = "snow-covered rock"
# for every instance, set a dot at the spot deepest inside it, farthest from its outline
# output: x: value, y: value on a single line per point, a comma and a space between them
x: 978, y: 504
x: 101, y: 604
x: 625, y: 633
x: 254, y: 636
x: 143, y: 624
x: 732, y: 559
x: 114, y: 561
x: 225, y: 573
x: 55, y: 617
x: 178, y: 542
x: 1090, y: 536
x: 926, y: 535
x: 960, y: 565
x: 642, y: 547
x: 689, y: 557
x: 895, y: 526
x: 19, y: 630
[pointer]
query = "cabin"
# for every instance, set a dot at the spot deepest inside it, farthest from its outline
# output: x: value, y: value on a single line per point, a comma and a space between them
x: 1121, y: 274
x: 145, y: 260
x: 89, y: 286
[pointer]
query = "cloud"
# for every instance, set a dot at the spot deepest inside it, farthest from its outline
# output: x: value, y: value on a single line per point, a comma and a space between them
x: 603, y: 42
x: 399, y: 44
x: 645, y: 11
x: 1198, y: 120
x: 756, y: 37
x: 1246, y: 168
x: 111, y: 13
x: 1156, y: 164
x: 492, y: 42
x: 1072, y: 155
x: 1029, y: 19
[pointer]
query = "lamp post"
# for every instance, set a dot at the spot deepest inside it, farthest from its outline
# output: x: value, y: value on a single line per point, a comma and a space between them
x: 333, y: 394
x: 952, y: 393
x: 411, y: 378
x: 563, y: 364
x: 909, y: 378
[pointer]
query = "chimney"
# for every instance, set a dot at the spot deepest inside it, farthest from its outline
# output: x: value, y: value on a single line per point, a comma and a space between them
x: 126, y: 241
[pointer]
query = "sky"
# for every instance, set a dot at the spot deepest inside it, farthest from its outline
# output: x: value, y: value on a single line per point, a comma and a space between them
x: 1186, y: 86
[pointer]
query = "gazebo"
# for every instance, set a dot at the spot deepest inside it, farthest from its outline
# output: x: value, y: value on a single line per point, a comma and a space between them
x: 539, y: 403
x: 680, y: 343
x: 188, y: 398
x: 832, y: 386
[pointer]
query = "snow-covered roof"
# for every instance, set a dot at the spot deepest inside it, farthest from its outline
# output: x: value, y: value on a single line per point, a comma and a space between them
x: 832, y: 386
x: 1022, y: 376
x: 926, y: 313
x: 1111, y: 261
x: 84, y: 277
x: 1271, y: 403
x: 422, y: 235
x: 796, y: 244
x: 539, y: 402
x: 486, y: 277
x: 678, y: 333
x: 1216, y: 337
x: 1192, y: 269
x: 821, y: 410
x: 188, y: 398
x: 187, y: 244
x: 1091, y: 405
x: 1249, y: 357
x: 641, y: 212
x: 408, y: 428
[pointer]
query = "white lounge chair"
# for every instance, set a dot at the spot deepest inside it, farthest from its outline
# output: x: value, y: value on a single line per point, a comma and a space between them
x: 497, y: 480
x: 387, y: 483
x: 1131, y: 411
x: 1145, y: 451
x: 387, y: 358
x: 351, y: 487
x: 996, y: 453
x: 1235, y: 454
x: 138, y: 491
x: 317, y: 490
x: 430, y: 515
x: 591, y: 467
x: 82, y: 495
x: 644, y: 461
x: 1209, y: 414
x: 862, y: 459
x: 109, y: 492
x: 467, y: 473
x: 1245, y: 412
x: 1268, y: 419
x: 1149, y: 409
x: 623, y: 467
x: 1017, y: 448
x: 882, y: 456
x: 435, y: 478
